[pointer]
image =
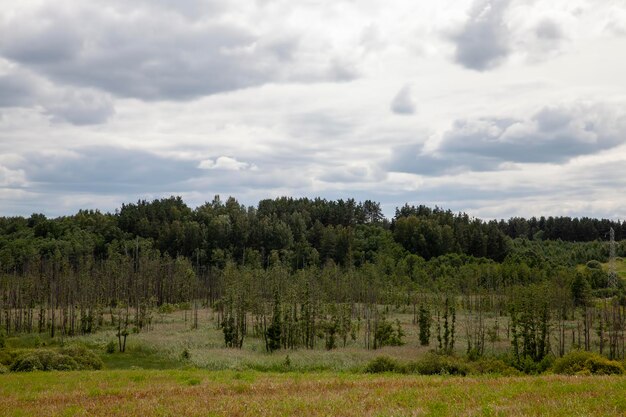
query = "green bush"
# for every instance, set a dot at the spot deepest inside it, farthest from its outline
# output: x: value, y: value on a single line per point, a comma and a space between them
x: 184, y: 306
x: 528, y: 365
x: 58, y: 362
x: 3, y: 369
x: 492, y: 366
x: 3, y: 340
x: 84, y: 357
x: 67, y: 359
x: 435, y: 364
x: 7, y: 357
x: 386, y: 334
x: 110, y: 347
x: 27, y: 363
x: 579, y: 362
x: 382, y: 364
x: 167, y: 308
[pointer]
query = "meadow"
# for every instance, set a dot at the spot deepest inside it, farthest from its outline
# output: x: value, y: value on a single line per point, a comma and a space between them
x: 171, y: 343
x: 251, y: 393
x: 174, y: 370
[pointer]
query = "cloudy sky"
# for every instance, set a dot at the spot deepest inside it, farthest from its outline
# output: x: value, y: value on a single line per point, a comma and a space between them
x: 495, y: 107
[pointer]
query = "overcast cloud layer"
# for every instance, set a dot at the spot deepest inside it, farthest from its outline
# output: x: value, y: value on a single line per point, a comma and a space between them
x: 495, y: 107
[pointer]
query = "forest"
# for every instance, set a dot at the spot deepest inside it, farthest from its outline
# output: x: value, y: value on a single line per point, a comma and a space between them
x: 298, y: 274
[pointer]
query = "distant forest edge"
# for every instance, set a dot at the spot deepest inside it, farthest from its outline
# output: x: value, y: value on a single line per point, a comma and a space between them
x: 300, y: 232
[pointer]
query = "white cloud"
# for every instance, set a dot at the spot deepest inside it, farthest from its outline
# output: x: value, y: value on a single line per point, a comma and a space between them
x: 226, y: 163
x: 10, y: 178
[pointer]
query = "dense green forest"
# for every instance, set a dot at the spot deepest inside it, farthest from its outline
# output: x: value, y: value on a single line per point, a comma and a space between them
x: 302, y: 273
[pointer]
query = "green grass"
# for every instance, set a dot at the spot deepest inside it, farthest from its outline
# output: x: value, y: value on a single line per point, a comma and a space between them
x: 141, y: 358
x: 249, y: 393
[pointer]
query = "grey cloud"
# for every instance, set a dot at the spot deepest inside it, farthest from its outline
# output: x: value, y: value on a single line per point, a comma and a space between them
x: 414, y: 159
x: 340, y: 70
x: 371, y: 38
x: 73, y: 105
x: 112, y: 170
x: 552, y: 135
x: 352, y: 174
x: 576, y: 186
x: 262, y: 180
x: 190, y: 9
x: 40, y: 39
x: 105, y: 170
x: 548, y: 30
x: 82, y: 108
x: 551, y: 119
x: 152, y: 54
x: 16, y: 90
x: 319, y: 124
x: 547, y: 39
x: 483, y: 41
x: 403, y: 103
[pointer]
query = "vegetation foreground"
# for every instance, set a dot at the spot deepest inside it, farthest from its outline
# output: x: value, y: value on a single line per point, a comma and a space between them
x: 233, y: 393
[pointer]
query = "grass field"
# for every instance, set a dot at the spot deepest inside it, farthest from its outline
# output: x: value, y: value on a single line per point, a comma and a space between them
x: 152, y: 379
x: 249, y: 393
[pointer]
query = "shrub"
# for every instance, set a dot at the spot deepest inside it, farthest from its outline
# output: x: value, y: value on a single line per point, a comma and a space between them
x: 110, y: 347
x: 546, y: 363
x: 84, y: 357
x: 7, y: 357
x: 492, y: 366
x: 3, y: 369
x: 593, y: 264
x: 27, y: 363
x: 3, y: 342
x: 382, y: 364
x: 528, y: 365
x: 184, y: 306
x: 58, y: 362
x: 435, y: 364
x: 581, y: 362
x: 67, y: 359
x: 386, y: 334
x: 185, y: 355
x: 167, y: 308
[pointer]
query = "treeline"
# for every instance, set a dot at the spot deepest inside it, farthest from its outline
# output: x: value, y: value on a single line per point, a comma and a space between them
x: 304, y: 232
x: 567, y: 229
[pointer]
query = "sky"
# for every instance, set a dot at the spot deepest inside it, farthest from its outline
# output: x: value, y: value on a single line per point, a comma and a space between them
x: 497, y: 108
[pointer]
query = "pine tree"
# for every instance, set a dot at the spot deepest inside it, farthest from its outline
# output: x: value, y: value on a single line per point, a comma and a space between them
x: 424, y: 322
